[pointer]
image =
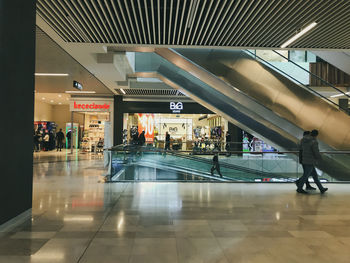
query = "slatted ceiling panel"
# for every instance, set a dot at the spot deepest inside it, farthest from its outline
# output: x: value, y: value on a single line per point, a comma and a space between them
x: 151, y: 92
x: 240, y: 23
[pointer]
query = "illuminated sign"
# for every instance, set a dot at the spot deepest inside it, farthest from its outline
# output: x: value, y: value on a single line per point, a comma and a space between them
x: 77, y: 85
x: 91, y: 106
x: 146, y: 123
x: 176, y: 107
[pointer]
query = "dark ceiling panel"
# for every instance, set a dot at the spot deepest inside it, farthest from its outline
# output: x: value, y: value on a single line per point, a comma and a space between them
x: 238, y: 23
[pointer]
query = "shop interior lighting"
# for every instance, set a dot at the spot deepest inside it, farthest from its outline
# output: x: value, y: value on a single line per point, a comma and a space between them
x: 79, y: 92
x: 59, y: 95
x: 123, y: 91
x: 43, y: 98
x: 52, y: 74
x: 301, y: 33
x: 51, y: 101
x: 341, y: 94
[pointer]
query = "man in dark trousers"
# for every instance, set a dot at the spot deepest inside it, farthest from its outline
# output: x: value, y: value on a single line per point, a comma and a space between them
x: 311, y: 156
x: 216, y: 165
x: 308, y: 186
x: 142, y: 138
x: 59, y: 140
x: 167, y: 141
x: 228, y: 143
x: 69, y: 138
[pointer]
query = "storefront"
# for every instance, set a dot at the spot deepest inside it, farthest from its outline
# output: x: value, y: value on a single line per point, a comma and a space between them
x: 184, y: 129
x: 186, y: 122
x: 96, y: 131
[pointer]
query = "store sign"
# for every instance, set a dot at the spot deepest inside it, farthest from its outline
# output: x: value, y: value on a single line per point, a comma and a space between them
x: 176, y: 107
x: 90, y: 106
x: 146, y: 123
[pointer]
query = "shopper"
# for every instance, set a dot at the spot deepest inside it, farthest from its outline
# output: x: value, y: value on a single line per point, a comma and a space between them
x: 216, y: 165
x: 308, y: 186
x: 228, y: 143
x: 135, y: 138
x: 46, y: 141
x: 37, y: 140
x: 59, y: 140
x: 310, y: 157
x: 167, y: 141
x: 69, y: 138
x: 142, y: 139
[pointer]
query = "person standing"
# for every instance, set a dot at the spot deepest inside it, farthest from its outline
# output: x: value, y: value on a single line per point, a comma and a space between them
x: 69, y: 138
x: 228, y: 143
x: 216, y: 165
x: 308, y: 186
x: 37, y: 138
x: 59, y: 140
x: 142, y: 138
x: 167, y: 141
x: 46, y: 141
x: 310, y: 157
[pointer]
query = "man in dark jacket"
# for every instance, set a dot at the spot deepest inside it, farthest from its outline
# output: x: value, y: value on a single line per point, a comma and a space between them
x: 216, y: 165
x: 167, y: 141
x: 142, y: 138
x: 308, y: 186
x: 59, y: 140
x: 310, y: 157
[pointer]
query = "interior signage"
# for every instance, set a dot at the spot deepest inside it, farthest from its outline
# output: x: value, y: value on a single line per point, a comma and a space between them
x: 77, y: 85
x: 91, y: 106
x: 146, y: 124
x: 176, y: 107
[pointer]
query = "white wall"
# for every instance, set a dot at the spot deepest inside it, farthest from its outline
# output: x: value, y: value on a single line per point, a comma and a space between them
x: 42, y: 111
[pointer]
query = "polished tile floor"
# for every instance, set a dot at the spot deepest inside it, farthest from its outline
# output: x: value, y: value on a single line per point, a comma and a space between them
x: 76, y: 218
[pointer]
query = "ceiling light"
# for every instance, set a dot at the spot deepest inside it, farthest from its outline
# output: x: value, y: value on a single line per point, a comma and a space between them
x: 302, y: 32
x: 52, y: 74
x: 123, y: 91
x: 79, y: 92
x: 59, y: 95
x: 341, y: 94
x: 43, y: 98
x: 51, y: 101
x: 59, y: 103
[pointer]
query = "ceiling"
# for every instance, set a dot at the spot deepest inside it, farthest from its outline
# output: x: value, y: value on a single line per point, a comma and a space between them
x: 222, y: 23
x: 53, y: 98
x: 51, y: 58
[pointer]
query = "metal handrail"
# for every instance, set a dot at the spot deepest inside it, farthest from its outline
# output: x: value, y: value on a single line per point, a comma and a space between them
x: 314, y: 75
x: 306, y: 87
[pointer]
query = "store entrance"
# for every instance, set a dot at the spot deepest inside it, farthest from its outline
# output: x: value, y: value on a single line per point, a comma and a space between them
x: 186, y: 130
x: 95, y: 130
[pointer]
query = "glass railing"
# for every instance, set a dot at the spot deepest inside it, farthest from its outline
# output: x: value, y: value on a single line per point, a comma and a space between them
x: 146, y: 163
x: 299, y: 70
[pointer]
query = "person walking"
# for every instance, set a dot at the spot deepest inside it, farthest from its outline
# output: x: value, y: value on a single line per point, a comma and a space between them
x: 310, y: 157
x: 59, y: 140
x: 308, y: 186
x: 216, y: 165
x: 167, y: 141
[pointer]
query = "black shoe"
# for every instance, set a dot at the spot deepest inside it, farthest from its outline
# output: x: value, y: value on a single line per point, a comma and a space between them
x: 301, y: 191
x: 323, y: 190
x: 296, y: 182
x: 310, y: 188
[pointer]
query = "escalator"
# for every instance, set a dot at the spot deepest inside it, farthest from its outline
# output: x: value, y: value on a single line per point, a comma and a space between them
x: 254, y: 97
x: 151, y: 164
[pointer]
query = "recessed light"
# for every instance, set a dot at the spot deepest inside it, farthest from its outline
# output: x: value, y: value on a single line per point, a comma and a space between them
x: 52, y: 74
x: 51, y: 101
x: 43, y: 98
x: 59, y: 95
x: 59, y: 103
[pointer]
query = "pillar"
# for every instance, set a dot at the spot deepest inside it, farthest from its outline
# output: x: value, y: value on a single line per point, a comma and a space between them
x: 17, y: 65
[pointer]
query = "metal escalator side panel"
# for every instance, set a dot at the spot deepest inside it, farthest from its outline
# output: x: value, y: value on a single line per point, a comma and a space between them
x: 276, y: 92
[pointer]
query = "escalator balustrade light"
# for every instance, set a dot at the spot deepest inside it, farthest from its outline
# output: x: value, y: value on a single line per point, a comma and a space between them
x: 301, y: 33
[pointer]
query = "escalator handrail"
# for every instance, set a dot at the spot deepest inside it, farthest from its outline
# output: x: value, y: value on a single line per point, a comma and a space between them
x: 314, y: 75
x: 306, y: 87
